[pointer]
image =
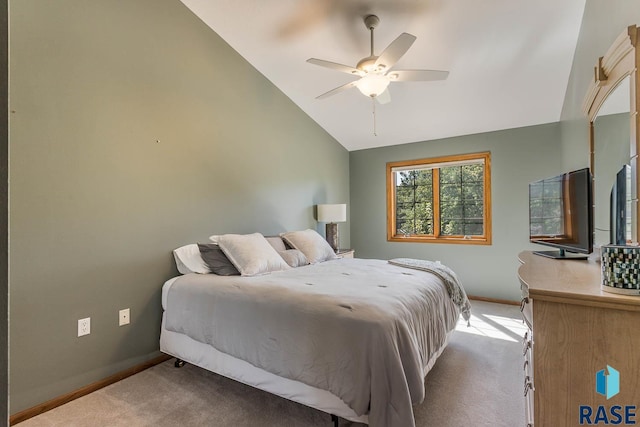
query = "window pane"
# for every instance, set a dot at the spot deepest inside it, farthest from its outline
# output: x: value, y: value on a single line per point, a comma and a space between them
x: 414, y: 202
x: 461, y: 201
x: 472, y: 191
x: 474, y: 209
x: 451, y: 227
x: 474, y: 229
x: 451, y: 174
x: 473, y: 173
x: 403, y: 227
x: 449, y: 210
x: 424, y: 193
x: 450, y: 192
x: 424, y: 177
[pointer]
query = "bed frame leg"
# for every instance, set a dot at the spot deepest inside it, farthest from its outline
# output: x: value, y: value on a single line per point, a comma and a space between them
x: 335, y: 420
x: 179, y: 363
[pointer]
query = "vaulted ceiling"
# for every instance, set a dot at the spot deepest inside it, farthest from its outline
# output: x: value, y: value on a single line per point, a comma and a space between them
x: 509, y: 61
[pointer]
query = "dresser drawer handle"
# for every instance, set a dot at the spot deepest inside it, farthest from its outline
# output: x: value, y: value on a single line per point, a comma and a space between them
x: 526, y: 363
x: 527, y: 346
x: 528, y: 386
x: 523, y: 303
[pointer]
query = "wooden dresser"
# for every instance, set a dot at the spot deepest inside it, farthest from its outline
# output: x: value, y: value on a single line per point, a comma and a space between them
x: 575, y: 330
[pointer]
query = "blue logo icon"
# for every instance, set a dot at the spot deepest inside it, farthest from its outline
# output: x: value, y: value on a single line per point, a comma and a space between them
x: 608, y: 384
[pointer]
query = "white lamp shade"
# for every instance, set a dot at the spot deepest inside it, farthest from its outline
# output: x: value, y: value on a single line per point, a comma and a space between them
x: 332, y: 213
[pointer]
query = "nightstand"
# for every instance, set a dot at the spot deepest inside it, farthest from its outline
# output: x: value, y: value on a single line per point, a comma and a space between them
x: 346, y: 253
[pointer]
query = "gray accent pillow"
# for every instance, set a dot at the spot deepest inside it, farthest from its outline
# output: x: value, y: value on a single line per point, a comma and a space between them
x: 311, y: 244
x: 294, y: 257
x: 251, y: 254
x: 189, y: 260
x: 217, y: 261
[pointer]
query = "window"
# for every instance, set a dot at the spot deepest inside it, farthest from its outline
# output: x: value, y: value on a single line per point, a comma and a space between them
x: 443, y: 199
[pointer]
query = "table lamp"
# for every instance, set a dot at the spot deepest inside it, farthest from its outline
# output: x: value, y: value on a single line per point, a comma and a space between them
x: 331, y: 214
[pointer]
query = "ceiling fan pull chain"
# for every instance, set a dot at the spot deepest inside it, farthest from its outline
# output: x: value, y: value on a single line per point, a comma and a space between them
x: 373, y: 103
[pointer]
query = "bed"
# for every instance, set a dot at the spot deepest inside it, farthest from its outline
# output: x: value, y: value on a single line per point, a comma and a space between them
x: 351, y: 337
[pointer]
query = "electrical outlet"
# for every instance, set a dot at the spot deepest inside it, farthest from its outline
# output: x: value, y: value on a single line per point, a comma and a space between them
x: 84, y: 326
x: 124, y: 317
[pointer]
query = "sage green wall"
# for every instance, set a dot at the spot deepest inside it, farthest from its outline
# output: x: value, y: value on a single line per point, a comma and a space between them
x: 602, y: 23
x: 518, y: 156
x: 135, y: 129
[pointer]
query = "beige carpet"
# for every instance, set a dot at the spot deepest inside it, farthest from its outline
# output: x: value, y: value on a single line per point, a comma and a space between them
x: 476, y: 382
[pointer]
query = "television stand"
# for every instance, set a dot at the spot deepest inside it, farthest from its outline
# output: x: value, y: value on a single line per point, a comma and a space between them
x: 561, y: 254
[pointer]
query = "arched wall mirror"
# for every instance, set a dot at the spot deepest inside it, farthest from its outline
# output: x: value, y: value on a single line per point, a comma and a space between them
x: 611, y: 104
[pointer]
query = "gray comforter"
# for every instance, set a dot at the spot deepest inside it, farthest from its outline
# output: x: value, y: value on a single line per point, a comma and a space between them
x: 362, y: 329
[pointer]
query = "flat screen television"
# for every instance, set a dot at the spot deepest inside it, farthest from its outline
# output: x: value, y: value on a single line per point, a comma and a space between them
x: 620, y: 217
x: 561, y: 214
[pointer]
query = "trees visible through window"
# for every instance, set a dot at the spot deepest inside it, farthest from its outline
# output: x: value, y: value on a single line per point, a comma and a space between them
x: 440, y: 199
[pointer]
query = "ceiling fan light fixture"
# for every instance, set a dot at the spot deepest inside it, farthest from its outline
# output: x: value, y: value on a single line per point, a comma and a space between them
x: 372, y: 84
x: 374, y: 71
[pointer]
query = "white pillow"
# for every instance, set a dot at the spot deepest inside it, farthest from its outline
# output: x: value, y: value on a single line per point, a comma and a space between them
x: 311, y: 244
x: 251, y: 254
x: 188, y: 260
x: 214, y: 238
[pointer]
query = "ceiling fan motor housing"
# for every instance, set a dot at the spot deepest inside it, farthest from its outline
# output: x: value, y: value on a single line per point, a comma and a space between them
x: 368, y: 65
x: 371, y: 21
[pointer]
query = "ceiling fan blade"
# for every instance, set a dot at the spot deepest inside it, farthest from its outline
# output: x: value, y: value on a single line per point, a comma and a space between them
x: 417, y: 75
x: 395, y: 50
x: 306, y: 16
x: 337, y: 90
x: 384, y: 97
x: 335, y: 66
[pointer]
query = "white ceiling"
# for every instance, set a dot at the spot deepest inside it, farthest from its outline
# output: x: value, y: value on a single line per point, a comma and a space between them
x: 509, y: 61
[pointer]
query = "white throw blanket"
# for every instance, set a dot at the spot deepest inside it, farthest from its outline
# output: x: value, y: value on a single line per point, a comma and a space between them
x: 447, y: 275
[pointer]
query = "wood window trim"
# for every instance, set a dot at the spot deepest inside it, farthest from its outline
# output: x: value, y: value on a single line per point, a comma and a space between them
x: 392, y: 236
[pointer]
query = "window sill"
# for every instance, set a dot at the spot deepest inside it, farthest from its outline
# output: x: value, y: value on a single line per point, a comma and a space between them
x: 473, y: 240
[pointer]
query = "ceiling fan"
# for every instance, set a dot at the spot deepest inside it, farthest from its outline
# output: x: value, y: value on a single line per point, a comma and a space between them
x: 375, y: 71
